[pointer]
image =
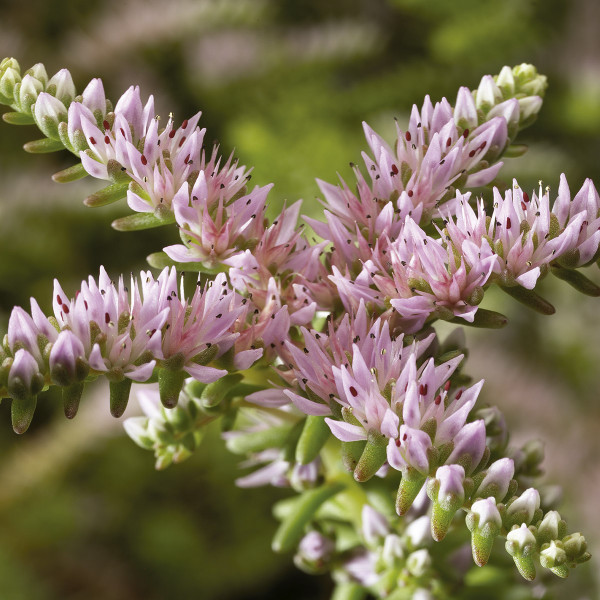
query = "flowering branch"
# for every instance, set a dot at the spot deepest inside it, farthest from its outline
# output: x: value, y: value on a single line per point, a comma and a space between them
x: 320, y: 360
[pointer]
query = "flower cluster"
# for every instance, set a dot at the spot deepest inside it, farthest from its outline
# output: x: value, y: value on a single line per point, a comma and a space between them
x: 319, y: 359
x: 124, y: 334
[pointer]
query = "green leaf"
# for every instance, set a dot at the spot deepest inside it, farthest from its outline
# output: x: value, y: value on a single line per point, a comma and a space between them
x: 529, y: 298
x: 21, y: 412
x: 313, y: 437
x: 71, y: 396
x: 17, y: 118
x: 577, y: 280
x: 108, y: 195
x: 43, y: 146
x: 70, y: 174
x: 119, y: 396
x: 487, y: 319
x: 291, y: 529
x: 140, y: 221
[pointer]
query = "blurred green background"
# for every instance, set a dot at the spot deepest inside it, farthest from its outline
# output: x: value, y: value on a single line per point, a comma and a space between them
x: 285, y: 84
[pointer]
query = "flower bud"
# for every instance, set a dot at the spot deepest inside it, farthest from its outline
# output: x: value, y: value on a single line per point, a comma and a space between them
x: 506, y: 81
x: 48, y: 112
x: 553, y: 557
x: 488, y: 94
x: 465, y: 111
x: 575, y: 546
x: 523, y: 509
x: 497, y: 479
x: 469, y: 446
x: 38, y: 71
x: 7, y: 84
x: 551, y: 528
x: 62, y: 87
x: 448, y: 494
x: 419, y: 562
x: 528, y: 81
x: 67, y: 359
x: 29, y: 90
x: 529, y: 107
x: 484, y: 522
x: 521, y: 545
x: 24, y: 378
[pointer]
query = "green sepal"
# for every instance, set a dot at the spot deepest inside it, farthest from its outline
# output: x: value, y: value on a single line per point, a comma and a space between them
x: 515, y: 150
x: 561, y: 571
x: 291, y: 529
x: 213, y: 393
x: 119, y: 396
x: 43, y: 146
x: 410, y: 485
x: 108, y: 195
x: 21, y: 412
x: 70, y: 174
x: 372, y: 457
x: 256, y: 441
x: 71, y: 396
x: 481, y: 546
x: 577, y: 280
x: 170, y: 384
x: 313, y: 437
x: 487, y: 319
x: 529, y: 298
x: 18, y: 118
x: 351, y: 453
x: 140, y: 221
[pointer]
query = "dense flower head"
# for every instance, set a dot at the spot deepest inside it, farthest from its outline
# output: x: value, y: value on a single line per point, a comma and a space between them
x: 522, y: 235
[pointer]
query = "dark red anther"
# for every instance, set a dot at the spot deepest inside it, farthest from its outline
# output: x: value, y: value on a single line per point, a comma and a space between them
x: 106, y: 318
x: 106, y: 139
x: 407, y: 136
x: 438, y: 400
x: 105, y: 124
x: 410, y: 193
x: 523, y: 206
x: 122, y: 131
x: 526, y: 196
x: 144, y: 160
x: 353, y: 391
x: 172, y: 133
x: 59, y: 300
x: 187, y: 160
x: 92, y: 141
x: 423, y: 389
x: 65, y: 309
x: 508, y: 223
x: 472, y: 153
x: 181, y: 141
x: 447, y: 385
x: 184, y: 124
x: 458, y: 395
x: 398, y: 443
x: 483, y: 145
x: 449, y: 142
x: 394, y: 169
x: 85, y: 304
x: 404, y: 437
x: 466, y: 133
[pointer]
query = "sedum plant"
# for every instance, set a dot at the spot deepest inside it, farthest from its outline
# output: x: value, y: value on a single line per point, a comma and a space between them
x: 320, y: 359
